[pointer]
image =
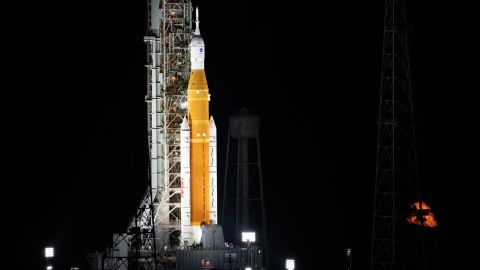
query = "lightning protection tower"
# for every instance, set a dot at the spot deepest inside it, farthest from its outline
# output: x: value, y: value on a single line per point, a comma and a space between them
x: 396, y: 244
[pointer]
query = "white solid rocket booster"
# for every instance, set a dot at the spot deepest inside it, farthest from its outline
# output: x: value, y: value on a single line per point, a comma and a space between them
x: 186, y: 230
x: 212, y: 147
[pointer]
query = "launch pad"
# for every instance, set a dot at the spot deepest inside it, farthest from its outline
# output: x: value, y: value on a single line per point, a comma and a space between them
x: 175, y: 225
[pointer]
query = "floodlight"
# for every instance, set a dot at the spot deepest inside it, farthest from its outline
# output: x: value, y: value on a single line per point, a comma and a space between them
x: 248, y: 237
x: 290, y: 264
x: 49, y: 253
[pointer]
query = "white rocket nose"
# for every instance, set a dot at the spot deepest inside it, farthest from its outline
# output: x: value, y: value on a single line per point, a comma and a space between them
x: 197, y: 47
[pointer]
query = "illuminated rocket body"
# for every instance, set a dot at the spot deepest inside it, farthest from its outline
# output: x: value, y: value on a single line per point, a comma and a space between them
x: 199, y: 177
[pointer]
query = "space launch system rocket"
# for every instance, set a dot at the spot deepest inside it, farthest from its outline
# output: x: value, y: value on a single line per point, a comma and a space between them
x: 198, y: 150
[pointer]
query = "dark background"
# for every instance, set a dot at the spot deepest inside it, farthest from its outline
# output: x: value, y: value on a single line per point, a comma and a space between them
x: 75, y: 120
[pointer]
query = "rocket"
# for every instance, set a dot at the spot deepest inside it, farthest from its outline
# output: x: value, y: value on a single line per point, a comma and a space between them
x: 198, y: 150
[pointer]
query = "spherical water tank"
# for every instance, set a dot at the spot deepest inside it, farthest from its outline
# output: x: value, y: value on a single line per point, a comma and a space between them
x: 244, y: 124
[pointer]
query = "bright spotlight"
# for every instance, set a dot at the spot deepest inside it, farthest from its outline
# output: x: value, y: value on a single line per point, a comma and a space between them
x: 290, y: 264
x: 248, y: 237
x: 49, y: 253
x: 248, y: 268
x: 49, y: 267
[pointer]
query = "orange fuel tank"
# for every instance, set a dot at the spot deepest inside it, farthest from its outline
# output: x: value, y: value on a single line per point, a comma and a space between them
x: 198, y: 119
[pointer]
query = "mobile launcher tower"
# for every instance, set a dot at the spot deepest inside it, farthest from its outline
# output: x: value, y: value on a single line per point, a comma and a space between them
x: 175, y: 226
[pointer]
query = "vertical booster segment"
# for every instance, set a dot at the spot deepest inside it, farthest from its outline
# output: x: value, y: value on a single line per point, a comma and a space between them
x: 186, y: 231
x: 202, y: 178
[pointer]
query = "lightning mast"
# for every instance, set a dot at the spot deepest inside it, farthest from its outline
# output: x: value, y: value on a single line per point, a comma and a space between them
x: 396, y: 244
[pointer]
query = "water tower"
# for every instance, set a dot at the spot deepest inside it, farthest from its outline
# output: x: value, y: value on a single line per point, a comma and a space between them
x: 243, y: 198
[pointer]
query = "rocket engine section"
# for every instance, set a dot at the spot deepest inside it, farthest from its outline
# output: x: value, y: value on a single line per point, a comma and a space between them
x: 198, y: 150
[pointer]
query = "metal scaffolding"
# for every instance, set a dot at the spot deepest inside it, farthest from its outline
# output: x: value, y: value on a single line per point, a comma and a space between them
x: 396, y: 244
x: 155, y: 227
x: 167, y: 40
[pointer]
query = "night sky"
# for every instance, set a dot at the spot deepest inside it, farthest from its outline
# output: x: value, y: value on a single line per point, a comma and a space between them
x: 76, y: 154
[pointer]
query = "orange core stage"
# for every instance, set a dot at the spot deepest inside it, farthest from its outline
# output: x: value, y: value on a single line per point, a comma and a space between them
x: 198, y: 119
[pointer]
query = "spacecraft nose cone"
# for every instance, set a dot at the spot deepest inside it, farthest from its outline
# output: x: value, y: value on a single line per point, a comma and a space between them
x: 197, y: 41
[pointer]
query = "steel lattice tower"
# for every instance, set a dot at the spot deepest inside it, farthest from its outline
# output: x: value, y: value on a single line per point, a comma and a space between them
x: 396, y: 244
x: 155, y: 226
x: 169, y: 32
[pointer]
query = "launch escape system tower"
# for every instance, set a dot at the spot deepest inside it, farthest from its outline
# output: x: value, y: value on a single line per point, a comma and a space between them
x: 175, y: 225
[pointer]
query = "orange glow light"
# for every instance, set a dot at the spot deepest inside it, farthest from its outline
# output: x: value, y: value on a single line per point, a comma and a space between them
x: 422, y: 216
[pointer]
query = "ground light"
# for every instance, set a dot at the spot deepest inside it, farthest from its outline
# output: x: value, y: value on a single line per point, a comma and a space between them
x: 290, y: 264
x: 49, y: 252
x: 248, y: 237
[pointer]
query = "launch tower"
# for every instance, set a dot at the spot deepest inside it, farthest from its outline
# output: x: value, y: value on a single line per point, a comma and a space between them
x: 169, y: 32
x: 156, y: 224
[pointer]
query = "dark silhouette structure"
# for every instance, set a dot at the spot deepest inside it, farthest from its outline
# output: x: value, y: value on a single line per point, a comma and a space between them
x: 396, y: 244
x: 243, y: 201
